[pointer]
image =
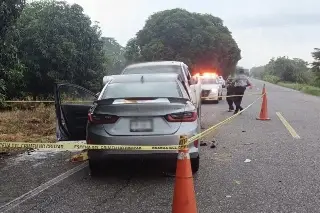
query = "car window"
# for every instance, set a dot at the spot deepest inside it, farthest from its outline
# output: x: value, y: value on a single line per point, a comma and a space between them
x: 183, y: 91
x: 137, y: 89
x: 72, y: 94
x: 209, y: 81
x: 156, y: 69
x: 153, y: 69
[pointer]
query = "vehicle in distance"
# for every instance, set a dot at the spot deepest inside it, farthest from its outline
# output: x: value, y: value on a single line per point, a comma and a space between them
x: 211, y: 89
x: 192, y: 87
x: 222, y: 81
x: 130, y: 110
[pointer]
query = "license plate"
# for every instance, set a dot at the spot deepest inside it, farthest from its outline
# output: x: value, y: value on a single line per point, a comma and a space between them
x: 141, y: 125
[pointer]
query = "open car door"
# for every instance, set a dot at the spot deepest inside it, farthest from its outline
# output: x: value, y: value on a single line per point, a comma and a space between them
x: 72, y: 104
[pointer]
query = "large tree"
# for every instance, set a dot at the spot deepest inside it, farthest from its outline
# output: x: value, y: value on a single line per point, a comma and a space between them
x: 290, y: 70
x: 200, y: 40
x: 316, y: 63
x: 59, y: 43
x: 10, y: 67
x: 115, y: 54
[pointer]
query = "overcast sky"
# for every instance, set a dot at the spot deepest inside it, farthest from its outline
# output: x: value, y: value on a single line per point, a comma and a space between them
x: 263, y: 29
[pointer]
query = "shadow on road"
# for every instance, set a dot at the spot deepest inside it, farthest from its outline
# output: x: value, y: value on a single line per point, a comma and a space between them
x: 143, y: 170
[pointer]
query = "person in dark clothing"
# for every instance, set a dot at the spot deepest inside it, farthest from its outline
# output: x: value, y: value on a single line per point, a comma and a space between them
x: 241, y: 82
x: 230, y: 92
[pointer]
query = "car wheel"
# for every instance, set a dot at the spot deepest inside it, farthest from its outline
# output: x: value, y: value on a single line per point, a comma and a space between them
x: 195, y: 164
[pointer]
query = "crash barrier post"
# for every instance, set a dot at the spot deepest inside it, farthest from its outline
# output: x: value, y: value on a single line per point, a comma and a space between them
x: 264, y: 106
x: 184, y: 199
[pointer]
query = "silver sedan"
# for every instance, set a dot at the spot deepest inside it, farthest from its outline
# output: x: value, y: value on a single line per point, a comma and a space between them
x: 143, y: 110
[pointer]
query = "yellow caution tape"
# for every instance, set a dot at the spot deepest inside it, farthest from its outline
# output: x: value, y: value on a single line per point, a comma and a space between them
x: 75, y: 146
x: 227, y: 96
x: 210, y: 129
x: 183, y: 142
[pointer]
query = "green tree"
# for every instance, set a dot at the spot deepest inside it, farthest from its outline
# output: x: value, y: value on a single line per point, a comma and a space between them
x: 316, y: 62
x: 289, y: 70
x: 115, y: 54
x: 132, y: 51
x: 11, y: 69
x: 9, y: 12
x: 258, y: 72
x: 59, y: 43
x: 200, y: 40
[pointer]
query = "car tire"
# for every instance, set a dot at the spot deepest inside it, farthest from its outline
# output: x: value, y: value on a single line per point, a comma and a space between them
x: 195, y: 164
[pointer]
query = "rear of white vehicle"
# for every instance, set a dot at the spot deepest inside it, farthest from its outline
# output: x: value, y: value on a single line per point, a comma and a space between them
x: 211, y: 90
x: 158, y: 67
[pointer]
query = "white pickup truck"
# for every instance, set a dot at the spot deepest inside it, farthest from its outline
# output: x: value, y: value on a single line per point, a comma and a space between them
x: 192, y: 85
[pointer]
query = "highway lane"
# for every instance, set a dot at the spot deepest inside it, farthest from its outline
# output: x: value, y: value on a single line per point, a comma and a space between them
x: 283, y: 175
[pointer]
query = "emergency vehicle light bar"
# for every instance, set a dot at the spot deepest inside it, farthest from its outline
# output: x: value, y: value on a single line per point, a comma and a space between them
x: 206, y: 74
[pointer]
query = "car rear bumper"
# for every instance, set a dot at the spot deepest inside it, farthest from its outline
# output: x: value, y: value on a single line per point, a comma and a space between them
x: 159, y: 140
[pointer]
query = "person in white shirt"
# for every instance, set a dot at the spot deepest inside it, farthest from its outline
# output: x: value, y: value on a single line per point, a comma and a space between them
x: 241, y: 82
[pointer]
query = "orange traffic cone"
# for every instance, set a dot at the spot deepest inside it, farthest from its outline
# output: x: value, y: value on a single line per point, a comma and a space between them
x: 264, y: 106
x: 184, y: 199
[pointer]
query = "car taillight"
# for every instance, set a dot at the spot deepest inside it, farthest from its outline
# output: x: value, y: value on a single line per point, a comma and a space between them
x: 196, y: 143
x: 102, y: 118
x: 182, y: 117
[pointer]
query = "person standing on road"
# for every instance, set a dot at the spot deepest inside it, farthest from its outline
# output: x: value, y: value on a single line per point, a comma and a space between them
x: 230, y: 92
x: 241, y: 82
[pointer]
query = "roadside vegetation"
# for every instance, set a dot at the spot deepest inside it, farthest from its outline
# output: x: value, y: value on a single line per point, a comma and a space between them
x: 292, y: 73
x: 47, y: 42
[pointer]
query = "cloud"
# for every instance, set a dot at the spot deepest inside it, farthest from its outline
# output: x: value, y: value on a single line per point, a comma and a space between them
x: 277, y: 20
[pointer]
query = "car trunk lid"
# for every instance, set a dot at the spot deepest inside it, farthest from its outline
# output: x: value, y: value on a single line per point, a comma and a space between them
x: 141, y: 116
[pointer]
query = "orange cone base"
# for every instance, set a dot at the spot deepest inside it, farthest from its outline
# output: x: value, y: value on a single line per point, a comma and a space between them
x: 184, y: 196
x: 184, y: 199
x: 263, y: 119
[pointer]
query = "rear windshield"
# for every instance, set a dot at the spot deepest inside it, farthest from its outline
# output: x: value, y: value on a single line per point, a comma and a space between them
x: 209, y: 81
x: 153, y: 69
x: 147, y: 89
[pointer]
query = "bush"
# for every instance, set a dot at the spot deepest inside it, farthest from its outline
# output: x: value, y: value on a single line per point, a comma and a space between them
x: 271, y: 78
x: 302, y: 87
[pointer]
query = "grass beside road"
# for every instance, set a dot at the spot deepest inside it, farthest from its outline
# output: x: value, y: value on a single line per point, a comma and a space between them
x: 31, y: 125
x: 305, y: 88
x: 302, y: 87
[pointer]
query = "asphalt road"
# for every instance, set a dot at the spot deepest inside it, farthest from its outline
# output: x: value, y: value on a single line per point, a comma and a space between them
x: 283, y: 175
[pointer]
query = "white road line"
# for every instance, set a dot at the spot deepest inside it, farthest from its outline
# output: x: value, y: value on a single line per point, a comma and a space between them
x: 288, y: 126
x: 10, y: 205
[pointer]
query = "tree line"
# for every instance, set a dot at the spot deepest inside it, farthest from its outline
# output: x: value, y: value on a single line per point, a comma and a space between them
x: 291, y: 70
x: 43, y: 42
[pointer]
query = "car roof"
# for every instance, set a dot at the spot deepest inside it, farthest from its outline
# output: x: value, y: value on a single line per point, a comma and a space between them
x: 155, y: 63
x: 130, y: 78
